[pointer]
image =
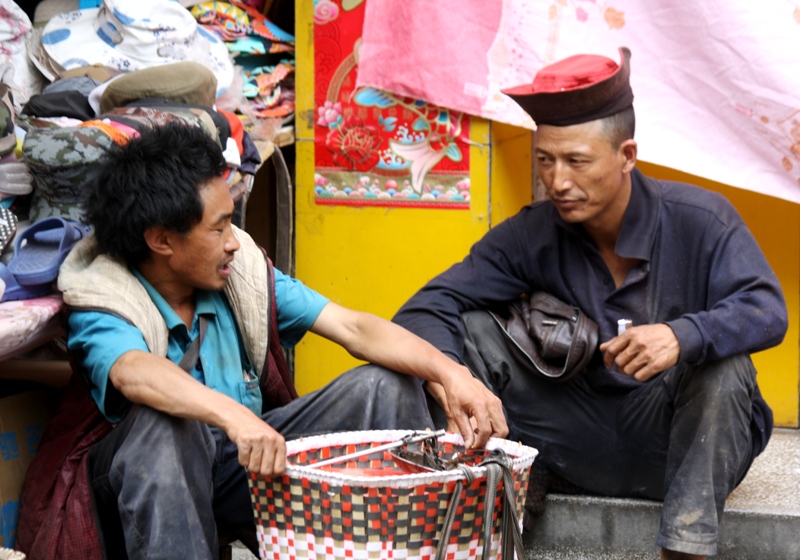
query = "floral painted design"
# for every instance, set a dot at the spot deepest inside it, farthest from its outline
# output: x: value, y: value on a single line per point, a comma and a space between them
x: 325, y: 11
x: 354, y: 144
x: 375, y: 148
x: 329, y: 115
x: 432, y: 138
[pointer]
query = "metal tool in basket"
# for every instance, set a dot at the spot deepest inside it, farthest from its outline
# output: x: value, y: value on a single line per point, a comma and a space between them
x: 428, y: 458
x: 411, y: 438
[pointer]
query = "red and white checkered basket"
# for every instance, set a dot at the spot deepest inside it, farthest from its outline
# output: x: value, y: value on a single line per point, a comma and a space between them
x: 315, y: 513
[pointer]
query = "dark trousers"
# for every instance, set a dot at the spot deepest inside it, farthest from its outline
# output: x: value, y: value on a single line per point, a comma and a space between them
x: 683, y: 437
x: 178, y: 481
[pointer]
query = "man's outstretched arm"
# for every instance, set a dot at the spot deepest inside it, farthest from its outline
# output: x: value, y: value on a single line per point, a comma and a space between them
x: 380, y: 342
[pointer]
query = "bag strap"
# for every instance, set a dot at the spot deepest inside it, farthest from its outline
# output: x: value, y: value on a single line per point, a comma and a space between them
x: 192, y: 353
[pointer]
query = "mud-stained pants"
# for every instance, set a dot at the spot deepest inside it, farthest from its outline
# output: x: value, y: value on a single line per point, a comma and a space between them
x: 683, y: 437
x: 178, y: 481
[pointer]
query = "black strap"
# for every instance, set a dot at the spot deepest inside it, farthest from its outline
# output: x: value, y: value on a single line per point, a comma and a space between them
x: 449, y: 518
x: 498, y: 470
x: 192, y: 353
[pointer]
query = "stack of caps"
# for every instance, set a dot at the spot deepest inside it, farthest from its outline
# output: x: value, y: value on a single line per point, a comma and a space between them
x: 130, y: 35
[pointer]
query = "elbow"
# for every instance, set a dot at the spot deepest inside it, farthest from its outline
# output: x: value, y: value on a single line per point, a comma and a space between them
x: 775, y: 329
x: 780, y: 322
x: 121, y: 376
x: 781, y: 326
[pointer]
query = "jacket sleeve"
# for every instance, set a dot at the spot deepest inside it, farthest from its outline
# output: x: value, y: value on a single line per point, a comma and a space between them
x: 493, y: 272
x: 745, y: 309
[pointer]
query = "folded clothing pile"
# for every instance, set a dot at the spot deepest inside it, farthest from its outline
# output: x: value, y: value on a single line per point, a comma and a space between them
x: 263, y: 50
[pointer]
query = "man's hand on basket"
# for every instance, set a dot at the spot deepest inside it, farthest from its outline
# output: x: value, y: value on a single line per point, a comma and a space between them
x: 470, y: 407
x: 262, y: 450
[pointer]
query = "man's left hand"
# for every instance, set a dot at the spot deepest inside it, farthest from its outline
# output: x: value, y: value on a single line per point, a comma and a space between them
x: 642, y: 351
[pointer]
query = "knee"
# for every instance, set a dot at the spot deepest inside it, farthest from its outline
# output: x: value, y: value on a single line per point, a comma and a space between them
x: 388, y: 384
x: 475, y: 319
x: 732, y: 373
x: 162, y: 452
x: 172, y: 436
x: 729, y: 379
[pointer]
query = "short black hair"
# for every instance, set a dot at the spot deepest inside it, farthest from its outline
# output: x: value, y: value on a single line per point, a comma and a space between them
x: 619, y: 126
x: 154, y: 180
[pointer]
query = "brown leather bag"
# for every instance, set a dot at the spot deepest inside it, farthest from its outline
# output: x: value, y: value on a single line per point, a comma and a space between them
x: 548, y: 337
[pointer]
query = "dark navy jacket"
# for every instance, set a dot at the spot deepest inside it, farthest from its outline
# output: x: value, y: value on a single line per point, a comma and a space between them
x: 702, y: 273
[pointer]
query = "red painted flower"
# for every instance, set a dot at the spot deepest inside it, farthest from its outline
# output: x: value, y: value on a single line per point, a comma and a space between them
x: 354, y: 144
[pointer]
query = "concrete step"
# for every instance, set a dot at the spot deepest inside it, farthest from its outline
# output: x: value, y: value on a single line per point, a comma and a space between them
x: 761, y: 521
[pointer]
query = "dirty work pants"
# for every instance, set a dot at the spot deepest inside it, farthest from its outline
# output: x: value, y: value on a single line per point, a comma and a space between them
x: 178, y: 480
x: 683, y: 437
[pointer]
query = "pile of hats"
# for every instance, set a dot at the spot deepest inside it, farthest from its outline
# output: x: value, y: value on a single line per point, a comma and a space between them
x: 130, y: 35
x: 50, y: 147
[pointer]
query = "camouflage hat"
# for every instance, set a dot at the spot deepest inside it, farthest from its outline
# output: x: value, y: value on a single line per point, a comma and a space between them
x: 145, y: 118
x: 63, y: 161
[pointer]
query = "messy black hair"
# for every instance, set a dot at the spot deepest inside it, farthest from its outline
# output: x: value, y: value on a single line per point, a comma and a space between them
x: 619, y: 126
x: 154, y: 180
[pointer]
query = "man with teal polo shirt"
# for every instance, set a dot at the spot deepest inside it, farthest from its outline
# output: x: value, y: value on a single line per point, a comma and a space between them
x: 177, y: 321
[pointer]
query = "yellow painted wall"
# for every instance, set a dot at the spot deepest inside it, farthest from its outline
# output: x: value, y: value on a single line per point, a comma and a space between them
x: 373, y: 259
x: 511, y: 170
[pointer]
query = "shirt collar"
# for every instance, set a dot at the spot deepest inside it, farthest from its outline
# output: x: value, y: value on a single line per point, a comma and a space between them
x: 639, y: 224
x: 204, y: 304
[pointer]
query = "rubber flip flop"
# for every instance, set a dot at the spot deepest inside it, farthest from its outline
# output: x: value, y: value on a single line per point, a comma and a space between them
x: 13, y: 291
x: 40, y: 250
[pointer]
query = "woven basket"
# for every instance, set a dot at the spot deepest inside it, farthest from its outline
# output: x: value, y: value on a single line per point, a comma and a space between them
x: 317, y: 513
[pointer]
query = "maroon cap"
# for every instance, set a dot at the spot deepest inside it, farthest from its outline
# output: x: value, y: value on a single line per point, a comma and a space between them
x: 578, y: 89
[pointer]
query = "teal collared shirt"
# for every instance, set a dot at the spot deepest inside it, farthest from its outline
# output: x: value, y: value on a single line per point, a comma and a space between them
x: 99, y: 339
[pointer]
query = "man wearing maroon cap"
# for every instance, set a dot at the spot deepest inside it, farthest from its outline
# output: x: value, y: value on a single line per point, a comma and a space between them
x: 669, y: 409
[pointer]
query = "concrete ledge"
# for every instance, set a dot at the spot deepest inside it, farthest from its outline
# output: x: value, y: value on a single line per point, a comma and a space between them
x: 761, y: 520
x: 605, y: 527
